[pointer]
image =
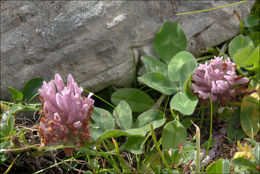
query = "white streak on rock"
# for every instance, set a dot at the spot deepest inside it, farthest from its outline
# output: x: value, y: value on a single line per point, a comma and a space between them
x: 116, y: 20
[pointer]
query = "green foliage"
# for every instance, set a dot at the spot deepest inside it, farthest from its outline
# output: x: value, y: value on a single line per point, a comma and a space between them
x: 238, y: 43
x: 154, y: 65
x: 180, y: 67
x: 257, y: 154
x: 233, y: 131
x: 17, y: 96
x: 250, y: 110
x: 245, y: 163
x: 221, y: 166
x: 118, y: 133
x: 179, y: 73
x: 103, y: 121
x: 7, y: 131
x: 179, y: 156
x: 138, y: 100
x: 244, y: 53
x: 173, y: 134
x: 159, y: 82
x: 103, y: 125
x: 250, y: 21
x: 31, y: 88
x: 135, y: 144
x: 181, y: 102
x: 255, y: 37
x: 169, y: 40
x: 123, y: 115
x: 170, y: 44
x: 155, y: 117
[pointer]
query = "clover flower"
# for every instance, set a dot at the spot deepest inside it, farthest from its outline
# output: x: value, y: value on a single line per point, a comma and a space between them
x: 217, y: 79
x: 66, y: 113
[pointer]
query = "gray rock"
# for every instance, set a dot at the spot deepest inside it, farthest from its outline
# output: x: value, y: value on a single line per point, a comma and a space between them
x: 92, y: 40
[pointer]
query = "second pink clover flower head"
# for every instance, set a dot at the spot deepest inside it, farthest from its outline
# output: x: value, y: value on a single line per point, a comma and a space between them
x: 217, y: 79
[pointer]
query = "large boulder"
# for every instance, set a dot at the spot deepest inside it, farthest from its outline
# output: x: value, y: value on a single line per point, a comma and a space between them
x: 92, y: 40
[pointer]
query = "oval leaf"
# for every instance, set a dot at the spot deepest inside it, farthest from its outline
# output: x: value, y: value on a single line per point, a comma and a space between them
x: 138, y: 100
x: 184, y: 104
x: 173, y: 133
x: 232, y: 131
x: 154, y: 65
x: 103, y: 119
x: 123, y: 115
x: 247, y: 56
x: 242, y: 162
x: 180, y: 67
x: 257, y: 154
x: 135, y: 144
x: 169, y: 41
x: 238, y: 43
x: 159, y: 82
x: 95, y: 133
x: 221, y: 167
x: 250, y: 111
x: 10, y: 123
x: 31, y: 88
x: 113, y: 133
x: 255, y: 37
x: 250, y: 21
x: 16, y: 95
x: 155, y: 117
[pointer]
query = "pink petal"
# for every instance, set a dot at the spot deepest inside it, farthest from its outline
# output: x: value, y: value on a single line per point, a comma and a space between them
x: 59, y: 82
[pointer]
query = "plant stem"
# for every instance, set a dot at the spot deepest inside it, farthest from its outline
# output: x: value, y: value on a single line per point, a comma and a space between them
x: 158, y: 102
x: 212, y: 8
x: 122, y: 161
x: 111, y: 161
x: 91, y: 164
x: 158, y: 148
x: 203, y: 58
x: 105, y: 146
x: 24, y: 106
x: 210, y: 131
x: 11, y: 165
x: 202, y: 116
x: 197, y: 169
x: 137, y: 162
x: 100, y: 98
x: 135, y: 68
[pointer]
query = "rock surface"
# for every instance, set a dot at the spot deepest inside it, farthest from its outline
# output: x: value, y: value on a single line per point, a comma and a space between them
x: 92, y: 40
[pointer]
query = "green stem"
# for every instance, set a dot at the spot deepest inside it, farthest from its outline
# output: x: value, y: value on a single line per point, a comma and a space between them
x: 105, y: 146
x: 135, y: 68
x: 24, y: 106
x: 158, y: 148
x: 54, y: 165
x: 212, y: 8
x: 210, y: 131
x: 123, y: 163
x: 203, y: 58
x: 91, y: 164
x: 167, y: 101
x: 197, y: 169
x: 110, y: 160
x: 137, y: 162
x: 202, y: 116
x: 101, y: 99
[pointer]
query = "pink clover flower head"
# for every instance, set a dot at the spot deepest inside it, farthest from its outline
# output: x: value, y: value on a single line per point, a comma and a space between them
x: 217, y: 79
x: 66, y: 113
